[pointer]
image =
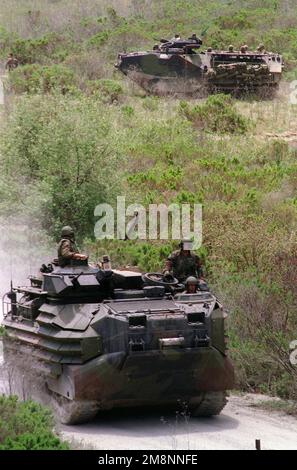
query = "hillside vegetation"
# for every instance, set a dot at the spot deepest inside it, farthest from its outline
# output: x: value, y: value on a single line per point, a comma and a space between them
x: 76, y: 133
x: 26, y: 426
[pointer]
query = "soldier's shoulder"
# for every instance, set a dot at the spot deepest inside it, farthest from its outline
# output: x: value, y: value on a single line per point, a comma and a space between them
x: 64, y: 241
x: 174, y: 254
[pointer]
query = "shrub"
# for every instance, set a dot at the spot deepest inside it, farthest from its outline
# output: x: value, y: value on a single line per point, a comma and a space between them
x: 110, y: 90
x: 99, y: 39
x: 26, y: 426
x: 217, y: 114
x: 43, y: 49
x: 238, y: 21
x: 128, y: 111
x: 41, y: 79
x: 146, y: 256
x: 66, y: 148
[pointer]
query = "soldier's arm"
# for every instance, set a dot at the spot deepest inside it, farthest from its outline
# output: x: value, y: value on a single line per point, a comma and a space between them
x: 170, y: 262
x: 168, y: 266
x: 66, y: 251
x: 199, y: 267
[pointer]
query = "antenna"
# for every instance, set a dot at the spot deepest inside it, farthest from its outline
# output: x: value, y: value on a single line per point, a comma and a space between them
x: 10, y: 262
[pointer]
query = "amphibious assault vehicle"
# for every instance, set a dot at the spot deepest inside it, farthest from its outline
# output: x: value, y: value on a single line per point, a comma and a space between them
x: 177, y: 67
x: 86, y: 340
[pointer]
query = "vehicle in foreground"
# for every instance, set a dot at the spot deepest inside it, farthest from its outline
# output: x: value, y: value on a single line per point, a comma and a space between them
x: 86, y: 340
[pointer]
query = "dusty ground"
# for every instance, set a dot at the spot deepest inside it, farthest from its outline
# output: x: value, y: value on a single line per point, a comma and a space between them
x: 236, y: 428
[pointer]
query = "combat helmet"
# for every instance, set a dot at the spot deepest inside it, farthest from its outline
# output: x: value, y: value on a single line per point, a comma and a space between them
x: 67, y: 231
x: 186, y: 244
x: 192, y: 280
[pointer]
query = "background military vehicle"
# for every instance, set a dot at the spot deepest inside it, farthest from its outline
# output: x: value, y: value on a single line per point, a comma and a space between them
x: 177, y: 67
x: 87, y: 340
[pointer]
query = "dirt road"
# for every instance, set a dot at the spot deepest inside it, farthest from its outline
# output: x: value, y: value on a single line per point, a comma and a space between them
x: 236, y: 428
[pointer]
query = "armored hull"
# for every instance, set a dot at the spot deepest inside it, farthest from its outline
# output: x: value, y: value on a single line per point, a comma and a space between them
x: 175, y: 72
x: 86, y: 342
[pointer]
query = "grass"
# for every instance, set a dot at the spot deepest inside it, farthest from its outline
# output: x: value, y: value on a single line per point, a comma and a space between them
x: 287, y: 407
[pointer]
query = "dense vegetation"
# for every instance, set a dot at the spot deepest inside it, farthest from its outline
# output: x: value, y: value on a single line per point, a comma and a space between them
x: 76, y: 134
x: 26, y: 426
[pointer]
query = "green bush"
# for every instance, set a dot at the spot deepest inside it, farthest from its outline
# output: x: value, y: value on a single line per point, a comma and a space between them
x: 240, y: 20
x: 41, y: 79
x: 146, y: 256
x: 66, y: 149
x: 217, y: 114
x: 27, y: 426
x: 99, y: 39
x: 110, y: 90
x: 128, y: 111
x: 43, y: 49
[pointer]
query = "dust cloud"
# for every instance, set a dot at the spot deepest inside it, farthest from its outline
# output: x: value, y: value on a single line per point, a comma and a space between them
x: 24, y: 246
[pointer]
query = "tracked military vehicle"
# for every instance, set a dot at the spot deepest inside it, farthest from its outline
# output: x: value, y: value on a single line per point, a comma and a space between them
x: 177, y: 67
x: 91, y: 340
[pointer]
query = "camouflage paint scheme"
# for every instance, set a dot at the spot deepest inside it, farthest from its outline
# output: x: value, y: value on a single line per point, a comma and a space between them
x: 204, y: 72
x: 143, y: 346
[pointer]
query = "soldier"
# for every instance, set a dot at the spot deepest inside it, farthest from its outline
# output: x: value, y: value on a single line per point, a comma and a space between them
x: 175, y: 38
x: 243, y: 50
x: 231, y: 48
x: 191, y: 285
x: 261, y: 49
x: 67, y: 249
x: 12, y: 63
x: 183, y: 263
x: 194, y: 38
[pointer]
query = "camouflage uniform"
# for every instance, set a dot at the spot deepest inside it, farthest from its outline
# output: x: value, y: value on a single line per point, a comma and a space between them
x: 11, y: 63
x: 184, y: 265
x: 66, y: 249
